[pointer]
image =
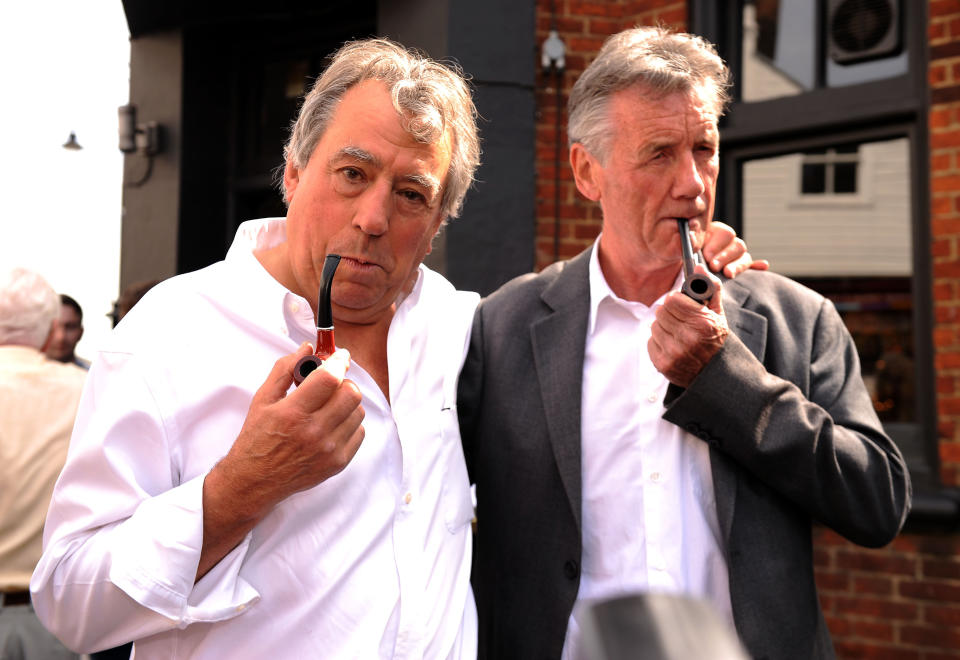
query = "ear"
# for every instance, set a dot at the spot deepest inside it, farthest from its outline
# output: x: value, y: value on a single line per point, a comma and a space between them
x: 291, y: 177
x: 586, y: 171
x: 438, y: 225
x: 46, y: 342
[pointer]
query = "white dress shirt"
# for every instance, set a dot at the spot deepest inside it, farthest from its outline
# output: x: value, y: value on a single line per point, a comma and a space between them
x: 372, y: 563
x: 649, y: 514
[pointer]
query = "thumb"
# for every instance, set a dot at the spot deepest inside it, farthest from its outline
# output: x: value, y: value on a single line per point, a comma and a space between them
x: 280, y: 378
x: 337, y: 364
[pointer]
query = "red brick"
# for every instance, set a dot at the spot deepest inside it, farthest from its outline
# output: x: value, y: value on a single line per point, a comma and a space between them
x: 876, y: 586
x: 595, y: 8
x: 834, y: 581
x: 937, y: 74
x: 858, y: 649
x: 950, y: 453
x: 878, y: 607
x: 942, y: 615
x: 942, y: 248
x: 949, y: 183
x: 949, y: 269
x: 944, y: 337
x: 873, y: 631
x: 874, y: 561
x: 946, y: 227
x: 930, y: 590
x: 838, y: 625
x: 928, y: 636
x: 941, y: 8
x: 936, y: 32
x: 949, y: 405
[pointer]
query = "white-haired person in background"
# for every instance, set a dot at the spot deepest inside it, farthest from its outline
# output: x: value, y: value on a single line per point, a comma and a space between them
x: 38, y: 403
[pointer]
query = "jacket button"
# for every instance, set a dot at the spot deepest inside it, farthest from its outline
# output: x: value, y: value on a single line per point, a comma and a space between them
x: 571, y: 569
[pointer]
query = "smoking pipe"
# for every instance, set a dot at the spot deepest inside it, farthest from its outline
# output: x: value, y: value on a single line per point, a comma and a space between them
x: 696, y: 285
x: 325, y: 343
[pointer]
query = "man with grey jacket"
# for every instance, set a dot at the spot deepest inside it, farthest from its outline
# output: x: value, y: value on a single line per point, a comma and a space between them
x: 624, y: 437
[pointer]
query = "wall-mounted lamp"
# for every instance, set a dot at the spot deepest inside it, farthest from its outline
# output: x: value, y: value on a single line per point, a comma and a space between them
x: 146, y: 139
x: 71, y: 144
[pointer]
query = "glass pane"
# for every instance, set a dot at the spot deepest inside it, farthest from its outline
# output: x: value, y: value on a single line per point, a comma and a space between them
x: 845, y: 178
x: 782, y: 49
x: 820, y: 240
x: 814, y: 179
x: 777, y: 62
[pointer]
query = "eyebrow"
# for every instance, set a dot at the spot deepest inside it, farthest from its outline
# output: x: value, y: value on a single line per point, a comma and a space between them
x: 364, y: 156
x: 357, y: 154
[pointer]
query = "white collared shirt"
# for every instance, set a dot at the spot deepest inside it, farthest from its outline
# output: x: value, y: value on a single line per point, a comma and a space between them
x: 374, y: 562
x: 649, y: 514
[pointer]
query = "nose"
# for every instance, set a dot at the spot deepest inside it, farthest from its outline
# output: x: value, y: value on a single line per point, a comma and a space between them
x: 688, y: 181
x: 372, y: 215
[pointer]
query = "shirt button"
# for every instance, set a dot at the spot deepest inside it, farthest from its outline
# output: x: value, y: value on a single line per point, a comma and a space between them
x: 655, y: 477
x: 407, y: 498
x: 294, y: 307
x: 284, y: 331
x: 570, y: 569
x: 652, y: 398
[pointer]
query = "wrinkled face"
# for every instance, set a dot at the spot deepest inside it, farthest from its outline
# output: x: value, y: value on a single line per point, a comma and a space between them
x: 662, y: 163
x: 67, y: 331
x: 370, y: 193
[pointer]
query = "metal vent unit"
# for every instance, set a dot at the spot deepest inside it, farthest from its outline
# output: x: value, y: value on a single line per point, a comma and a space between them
x: 861, y: 30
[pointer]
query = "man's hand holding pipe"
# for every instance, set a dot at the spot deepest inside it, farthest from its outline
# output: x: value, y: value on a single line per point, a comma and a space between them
x: 288, y: 443
x: 687, y: 334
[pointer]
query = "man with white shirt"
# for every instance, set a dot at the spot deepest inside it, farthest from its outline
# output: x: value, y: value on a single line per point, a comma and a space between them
x: 624, y: 437
x: 205, y: 512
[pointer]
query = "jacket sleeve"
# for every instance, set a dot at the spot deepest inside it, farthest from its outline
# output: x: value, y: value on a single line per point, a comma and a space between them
x: 820, y: 444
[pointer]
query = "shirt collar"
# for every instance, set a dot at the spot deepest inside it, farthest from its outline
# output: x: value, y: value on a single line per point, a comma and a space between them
x: 600, y: 292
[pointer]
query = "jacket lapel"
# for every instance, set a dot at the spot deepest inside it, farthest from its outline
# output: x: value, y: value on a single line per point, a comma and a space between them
x: 558, y: 350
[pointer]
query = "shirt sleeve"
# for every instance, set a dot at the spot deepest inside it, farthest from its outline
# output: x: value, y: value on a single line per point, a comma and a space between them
x: 123, y: 535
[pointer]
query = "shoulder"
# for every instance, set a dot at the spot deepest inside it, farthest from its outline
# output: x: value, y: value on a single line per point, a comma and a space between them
x: 67, y: 374
x: 766, y: 292
x: 529, y: 289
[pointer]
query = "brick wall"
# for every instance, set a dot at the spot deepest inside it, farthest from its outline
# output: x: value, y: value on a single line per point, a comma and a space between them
x: 898, y: 602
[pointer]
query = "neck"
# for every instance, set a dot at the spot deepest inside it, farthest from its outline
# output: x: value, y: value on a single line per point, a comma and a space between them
x: 643, y: 283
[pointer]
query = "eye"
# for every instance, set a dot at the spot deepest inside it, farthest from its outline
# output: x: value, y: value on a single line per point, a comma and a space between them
x: 352, y: 174
x: 413, y: 196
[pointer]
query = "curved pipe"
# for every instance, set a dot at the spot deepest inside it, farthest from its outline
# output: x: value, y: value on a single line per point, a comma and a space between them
x: 325, y: 343
x: 699, y: 287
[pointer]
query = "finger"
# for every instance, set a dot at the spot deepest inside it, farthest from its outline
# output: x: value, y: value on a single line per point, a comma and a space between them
x: 280, y: 377
x: 745, y: 262
x: 730, y: 253
x: 717, y: 237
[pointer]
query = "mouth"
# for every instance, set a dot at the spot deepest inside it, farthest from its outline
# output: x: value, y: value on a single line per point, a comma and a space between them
x: 359, y: 263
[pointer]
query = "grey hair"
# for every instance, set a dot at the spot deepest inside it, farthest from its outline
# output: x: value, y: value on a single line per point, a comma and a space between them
x: 28, y: 308
x: 662, y: 60
x: 431, y: 97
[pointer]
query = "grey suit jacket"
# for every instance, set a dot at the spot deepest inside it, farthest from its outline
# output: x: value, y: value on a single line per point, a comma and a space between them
x: 793, y: 436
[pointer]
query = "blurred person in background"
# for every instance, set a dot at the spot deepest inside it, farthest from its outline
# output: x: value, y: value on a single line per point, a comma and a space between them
x: 38, y: 402
x: 67, y: 331
x: 129, y: 297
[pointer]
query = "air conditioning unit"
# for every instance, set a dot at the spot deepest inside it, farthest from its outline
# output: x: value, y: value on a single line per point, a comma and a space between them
x: 861, y: 30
